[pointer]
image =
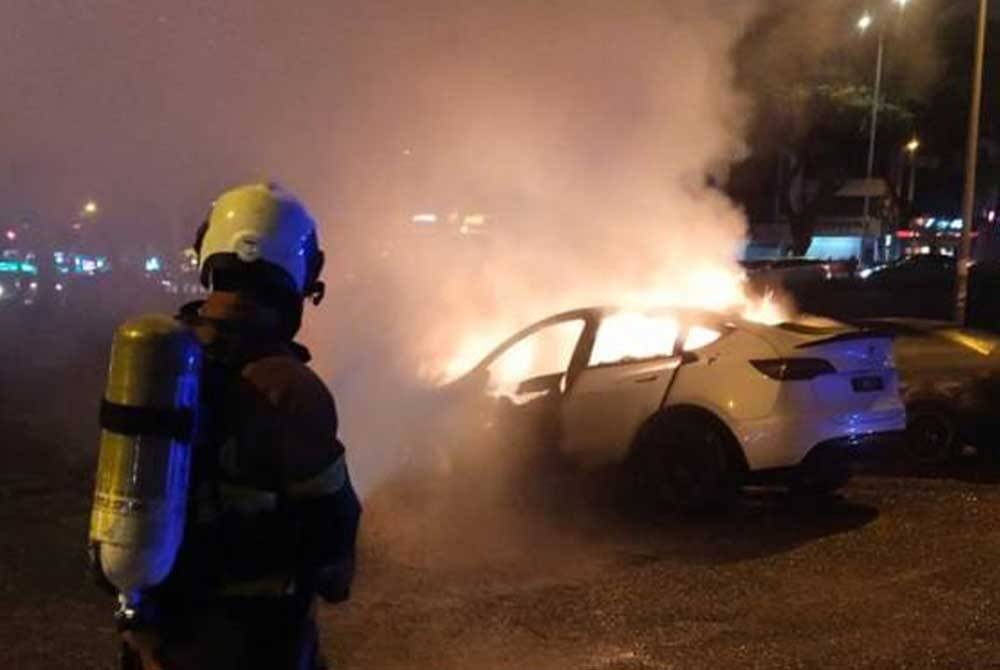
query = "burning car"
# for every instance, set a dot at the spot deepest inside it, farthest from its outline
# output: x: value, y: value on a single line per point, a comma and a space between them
x: 694, y: 404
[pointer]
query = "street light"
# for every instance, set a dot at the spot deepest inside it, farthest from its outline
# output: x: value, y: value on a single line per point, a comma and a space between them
x: 864, y: 23
x: 90, y: 208
x: 913, y: 145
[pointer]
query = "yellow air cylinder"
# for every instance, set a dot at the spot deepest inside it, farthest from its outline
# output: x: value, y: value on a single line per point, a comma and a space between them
x: 148, y: 419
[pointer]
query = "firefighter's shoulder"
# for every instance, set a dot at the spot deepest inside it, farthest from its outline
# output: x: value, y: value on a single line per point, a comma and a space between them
x: 305, y: 411
x: 286, y: 380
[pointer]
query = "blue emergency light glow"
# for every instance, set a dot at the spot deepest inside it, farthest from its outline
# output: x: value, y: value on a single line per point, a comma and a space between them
x: 153, y: 264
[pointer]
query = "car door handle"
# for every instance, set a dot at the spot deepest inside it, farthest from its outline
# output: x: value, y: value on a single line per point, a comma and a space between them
x: 647, y: 379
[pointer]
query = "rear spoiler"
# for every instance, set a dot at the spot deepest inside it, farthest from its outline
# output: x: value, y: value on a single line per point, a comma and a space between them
x: 867, y: 334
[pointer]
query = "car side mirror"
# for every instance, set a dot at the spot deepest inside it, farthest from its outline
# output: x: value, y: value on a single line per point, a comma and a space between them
x: 688, y: 357
x: 480, y: 379
x: 541, y: 384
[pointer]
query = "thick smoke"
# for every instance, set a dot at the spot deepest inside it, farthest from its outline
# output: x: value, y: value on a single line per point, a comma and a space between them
x: 592, y: 136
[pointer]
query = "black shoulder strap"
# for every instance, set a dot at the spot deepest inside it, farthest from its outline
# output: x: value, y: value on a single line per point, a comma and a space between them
x: 300, y: 352
x: 188, y: 313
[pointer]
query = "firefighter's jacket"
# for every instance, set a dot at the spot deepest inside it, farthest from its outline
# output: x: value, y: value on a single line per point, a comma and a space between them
x: 273, y: 513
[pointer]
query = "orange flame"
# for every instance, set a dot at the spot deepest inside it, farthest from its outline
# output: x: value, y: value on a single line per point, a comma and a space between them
x: 632, y: 333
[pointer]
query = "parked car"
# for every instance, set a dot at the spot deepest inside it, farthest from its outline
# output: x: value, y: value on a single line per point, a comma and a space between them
x: 694, y: 404
x: 921, y: 270
x: 950, y: 382
x: 788, y: 273
x: 916, y: 287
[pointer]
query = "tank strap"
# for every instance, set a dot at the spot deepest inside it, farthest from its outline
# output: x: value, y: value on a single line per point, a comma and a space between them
x: 175, y: 423
x: 328, y: 482
x: 247, y: 500
x: 271, y: 586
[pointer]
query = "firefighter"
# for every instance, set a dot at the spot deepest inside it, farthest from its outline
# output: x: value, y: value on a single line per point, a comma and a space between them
x: 272, y: 515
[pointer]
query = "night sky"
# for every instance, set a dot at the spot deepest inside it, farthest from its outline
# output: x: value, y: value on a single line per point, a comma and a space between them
x: 151, y: 108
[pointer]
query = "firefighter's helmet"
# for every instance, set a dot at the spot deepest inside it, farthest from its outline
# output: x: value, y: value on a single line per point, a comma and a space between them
x: 260, y: 236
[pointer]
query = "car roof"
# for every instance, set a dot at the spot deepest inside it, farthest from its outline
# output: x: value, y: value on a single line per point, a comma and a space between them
x: 684, y: 314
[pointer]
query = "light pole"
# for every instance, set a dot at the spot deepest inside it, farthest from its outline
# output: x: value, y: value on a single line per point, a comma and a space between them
x: 864, y: 23
x: 911, y: 149
x: 971, y: 163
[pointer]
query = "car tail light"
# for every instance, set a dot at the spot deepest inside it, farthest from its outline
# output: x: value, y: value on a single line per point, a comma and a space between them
x: 794, y: 369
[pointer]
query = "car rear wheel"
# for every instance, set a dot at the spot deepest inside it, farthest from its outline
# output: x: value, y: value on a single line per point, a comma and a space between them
x: 683, y: 464
x: 931, y: 435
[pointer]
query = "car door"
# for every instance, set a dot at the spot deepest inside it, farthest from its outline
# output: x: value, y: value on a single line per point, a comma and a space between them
x: 631, y: 363
x: 526, y: 378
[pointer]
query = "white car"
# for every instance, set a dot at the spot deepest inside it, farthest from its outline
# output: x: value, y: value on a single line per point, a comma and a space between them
x: 697, y: 403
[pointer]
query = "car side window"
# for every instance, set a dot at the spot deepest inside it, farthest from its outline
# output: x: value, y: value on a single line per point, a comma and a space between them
x: 700, y: 336
x: 628, y: 337
x: 546, y: 353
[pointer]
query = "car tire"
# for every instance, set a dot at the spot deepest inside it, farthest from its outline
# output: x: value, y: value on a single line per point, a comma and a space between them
x: 683, y: 464
x: 931, y: 435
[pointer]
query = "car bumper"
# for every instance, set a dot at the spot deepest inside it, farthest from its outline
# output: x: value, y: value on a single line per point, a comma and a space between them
x: 826, y: 458
x: 784, y: 442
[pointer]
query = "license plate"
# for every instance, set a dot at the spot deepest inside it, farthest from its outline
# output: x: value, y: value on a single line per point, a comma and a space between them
x: 867, y: 384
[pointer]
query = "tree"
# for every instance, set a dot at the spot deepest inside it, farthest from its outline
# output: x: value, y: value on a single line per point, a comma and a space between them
x: 814, y: 98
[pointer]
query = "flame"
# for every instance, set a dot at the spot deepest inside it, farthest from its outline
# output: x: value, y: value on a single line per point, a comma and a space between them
x: 700, y: 336
x: 632, y: 333
x: 766, y: 310
x: 473, y: 348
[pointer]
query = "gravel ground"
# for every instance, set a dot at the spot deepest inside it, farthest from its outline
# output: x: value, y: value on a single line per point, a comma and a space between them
x: 897, y: 572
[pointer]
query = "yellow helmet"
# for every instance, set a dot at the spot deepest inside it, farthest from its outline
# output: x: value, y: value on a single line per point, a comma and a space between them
x: 260, y: 233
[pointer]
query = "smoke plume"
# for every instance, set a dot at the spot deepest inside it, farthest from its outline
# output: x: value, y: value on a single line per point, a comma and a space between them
x: 592, y: 137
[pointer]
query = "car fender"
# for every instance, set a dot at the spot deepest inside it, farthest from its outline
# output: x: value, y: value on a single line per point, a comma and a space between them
x: 721, y: 379
x: 681, y: 410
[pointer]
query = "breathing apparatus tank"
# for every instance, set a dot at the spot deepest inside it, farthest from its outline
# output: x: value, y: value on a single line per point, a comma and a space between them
x: 148, y: 421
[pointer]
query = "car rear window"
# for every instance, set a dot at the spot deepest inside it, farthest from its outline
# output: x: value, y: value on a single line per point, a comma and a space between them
x: 627, y: 337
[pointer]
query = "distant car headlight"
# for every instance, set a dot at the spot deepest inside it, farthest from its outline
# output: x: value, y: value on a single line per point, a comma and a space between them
x: 794, y: 369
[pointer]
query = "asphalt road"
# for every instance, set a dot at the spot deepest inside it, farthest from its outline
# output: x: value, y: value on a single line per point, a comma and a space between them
x: 898, y: 572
